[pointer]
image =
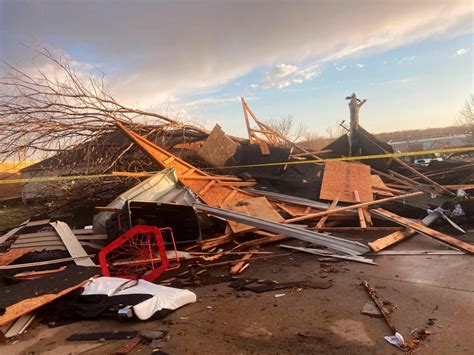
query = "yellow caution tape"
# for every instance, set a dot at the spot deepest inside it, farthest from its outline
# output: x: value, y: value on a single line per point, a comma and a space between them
x: 55, y: 178
x: 364, y: 157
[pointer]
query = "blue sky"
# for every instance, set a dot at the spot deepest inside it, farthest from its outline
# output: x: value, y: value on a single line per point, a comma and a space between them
x: 412, y: 60
x: 420, y: 85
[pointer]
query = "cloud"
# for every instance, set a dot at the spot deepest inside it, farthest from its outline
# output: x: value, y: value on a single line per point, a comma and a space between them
x: 360, y: 66
x: 402, y: 81
x: 407, y: 59
x: 341, y: 68
x: 152, y: 51
x: 461, y: 51
x: 212, y: 100
x: 284, y: 75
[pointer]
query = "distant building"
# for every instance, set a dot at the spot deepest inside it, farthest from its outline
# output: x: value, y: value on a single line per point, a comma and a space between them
x: 430, y: 143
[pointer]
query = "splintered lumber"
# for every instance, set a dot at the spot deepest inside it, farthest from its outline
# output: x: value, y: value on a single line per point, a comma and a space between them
x: 421, y: 228
x: 373, y: 294
x: 360, y: 211
x: 12, y: 255
x: 352, y: 207
x: 29, y: 275
x: 214, y: 242
x: 60, y: 283
x: 331, y: 207
x: 272, y: 136
x: 379, y: 187
x: 211, y: 193
x: 359, y: 229
x: 414, y: 171
x: 340, y: 179
x: 42, y: 263
x: 391, y: 239
x: 241, y: 265
x: 236, y: 261
x: 424, y: 177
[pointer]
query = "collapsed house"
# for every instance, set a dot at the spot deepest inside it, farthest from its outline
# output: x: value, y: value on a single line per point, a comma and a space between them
x: 212, y: 200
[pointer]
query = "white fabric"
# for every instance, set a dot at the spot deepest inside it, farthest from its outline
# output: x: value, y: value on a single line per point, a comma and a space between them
x: 163, y: 297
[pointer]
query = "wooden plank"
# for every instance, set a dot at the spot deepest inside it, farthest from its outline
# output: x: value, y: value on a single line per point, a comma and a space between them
x: 367, y: 215
x: 331, y: 207
x: 210, y: 177
x: 421, y: 228
x: 352, y: 207
x: 264, y: 149
x: 36, y: 244
x: 241, y: 265
x: 12, y: 255
x: 40, y: 263
x: 287, y: 210
x: 359, y: 229
x: 73, y: 246
x: 53, y: 233
x: 38, y: 222
x: 206, y: 188
x: 169, y: 160
x: 24, y: 307
x: 29, y: 275
x: 129, y: 346
x: 20, y: 325
x: 106, y: 209
x: 214, y: 242
x: 237, y: 183
x: 391, y: 239
x: 272, y: 238
x: 343, y: 178
x: 379, y: 185
x: 25, y: 239
x: 235, y: 226
x: 360, y: 211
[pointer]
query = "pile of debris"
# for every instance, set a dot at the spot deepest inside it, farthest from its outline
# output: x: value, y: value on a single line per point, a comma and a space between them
x: 151, y: 241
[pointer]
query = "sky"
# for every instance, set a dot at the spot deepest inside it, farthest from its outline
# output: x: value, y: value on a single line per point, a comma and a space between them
x: 192, y: 60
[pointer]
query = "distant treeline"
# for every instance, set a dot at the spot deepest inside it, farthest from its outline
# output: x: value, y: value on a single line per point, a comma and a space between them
x: 419, y: 133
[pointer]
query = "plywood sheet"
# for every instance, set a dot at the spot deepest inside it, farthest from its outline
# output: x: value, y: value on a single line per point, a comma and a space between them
x: 257, y: 207
x: 21, y: 308
x: 12, y: 255
x: 344, y: 178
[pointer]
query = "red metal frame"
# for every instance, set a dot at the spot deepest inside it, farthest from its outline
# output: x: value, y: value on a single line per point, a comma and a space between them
x: 138, y: 253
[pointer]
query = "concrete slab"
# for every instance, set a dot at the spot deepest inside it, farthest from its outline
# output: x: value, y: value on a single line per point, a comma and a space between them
x: 437, y: 287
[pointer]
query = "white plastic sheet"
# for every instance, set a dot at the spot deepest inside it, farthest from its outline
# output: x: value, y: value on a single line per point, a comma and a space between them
x: 163, y: 297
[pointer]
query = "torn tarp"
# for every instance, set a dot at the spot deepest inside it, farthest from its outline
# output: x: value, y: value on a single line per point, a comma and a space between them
x: 157, y: 298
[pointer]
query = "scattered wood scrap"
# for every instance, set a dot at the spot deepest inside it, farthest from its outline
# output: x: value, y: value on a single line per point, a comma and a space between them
x: 420, y: 228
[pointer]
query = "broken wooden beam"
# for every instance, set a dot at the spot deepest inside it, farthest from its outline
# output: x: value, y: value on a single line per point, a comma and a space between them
x: 421, y: 228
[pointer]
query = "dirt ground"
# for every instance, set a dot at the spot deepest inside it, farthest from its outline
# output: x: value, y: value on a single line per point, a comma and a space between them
x: 309, y: 321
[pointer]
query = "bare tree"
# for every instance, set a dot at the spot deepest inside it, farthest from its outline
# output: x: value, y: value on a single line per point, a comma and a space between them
x: 58, y: 109
x: 466, y: 117
x: 336, y: 131
x: 286, y: 127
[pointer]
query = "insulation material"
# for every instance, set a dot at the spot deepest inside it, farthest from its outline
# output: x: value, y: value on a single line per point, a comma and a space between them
x: 163, y: 297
